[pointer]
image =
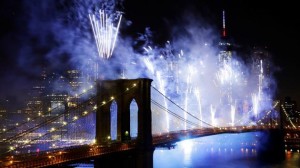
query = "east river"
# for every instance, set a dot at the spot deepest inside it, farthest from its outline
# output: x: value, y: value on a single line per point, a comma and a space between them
x: 218, y: 151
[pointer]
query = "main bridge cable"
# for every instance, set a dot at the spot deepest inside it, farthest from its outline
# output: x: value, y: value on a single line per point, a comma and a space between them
x: 51, y: 131
x: 288, y: 116
x: 268, y: 113
x: 45, y: 122
x: 172, y: 113
x: 45, y: 113
x: 183, y: 109
x: 112, y: 98
x: 249, y: 112
x: 103, y: 103
x: 20, y: 135
x: 47, y: 133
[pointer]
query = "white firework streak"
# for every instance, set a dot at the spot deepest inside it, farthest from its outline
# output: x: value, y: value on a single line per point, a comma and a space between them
x: 213, y: 112
x: 105, y: 33
x: 232, y: 114
x: 197, y: 93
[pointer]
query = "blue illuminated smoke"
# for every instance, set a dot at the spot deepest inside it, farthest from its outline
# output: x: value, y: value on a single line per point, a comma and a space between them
x: 186, y: 68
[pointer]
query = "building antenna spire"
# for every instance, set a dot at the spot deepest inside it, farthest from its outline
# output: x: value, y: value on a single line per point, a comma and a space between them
x: 224, y: 26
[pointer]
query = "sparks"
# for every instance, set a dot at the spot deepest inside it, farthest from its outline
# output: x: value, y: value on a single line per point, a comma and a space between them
x: 105, y: 33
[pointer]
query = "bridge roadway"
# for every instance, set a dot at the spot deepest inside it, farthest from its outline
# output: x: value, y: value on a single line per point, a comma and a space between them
x: 77, y: 153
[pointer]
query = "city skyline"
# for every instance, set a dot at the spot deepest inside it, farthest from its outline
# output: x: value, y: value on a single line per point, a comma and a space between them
x: 110, y: 82
x: 249, y: 24
x: 18, y: 66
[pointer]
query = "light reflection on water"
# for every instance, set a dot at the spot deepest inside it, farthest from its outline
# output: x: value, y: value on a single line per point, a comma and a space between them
x: 187, y: 146
x: 217, y: 151
x: 224, y: 151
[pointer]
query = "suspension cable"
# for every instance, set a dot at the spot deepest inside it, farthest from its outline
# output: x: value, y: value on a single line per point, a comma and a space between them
x: 44, y: 113
x: 182, y: 108
x: 172, y: 113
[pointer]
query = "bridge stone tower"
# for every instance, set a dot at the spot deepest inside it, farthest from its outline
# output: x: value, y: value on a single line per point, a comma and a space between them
x: 272, y: 144
x: 123, y: 91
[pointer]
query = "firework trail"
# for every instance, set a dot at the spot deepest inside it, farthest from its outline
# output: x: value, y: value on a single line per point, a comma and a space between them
x: 209, y: 82
x: 105, y: 33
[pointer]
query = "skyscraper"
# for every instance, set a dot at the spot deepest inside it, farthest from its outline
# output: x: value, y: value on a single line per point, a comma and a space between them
x: 225, y: 46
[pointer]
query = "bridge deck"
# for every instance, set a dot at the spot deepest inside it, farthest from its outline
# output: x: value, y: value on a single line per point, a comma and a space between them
x: 65, y: 155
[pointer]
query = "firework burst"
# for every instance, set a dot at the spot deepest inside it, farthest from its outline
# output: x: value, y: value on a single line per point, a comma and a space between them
x: 105, y: 33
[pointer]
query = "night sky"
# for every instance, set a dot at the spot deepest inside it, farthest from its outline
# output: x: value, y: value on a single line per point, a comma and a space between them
x: 28, y: 38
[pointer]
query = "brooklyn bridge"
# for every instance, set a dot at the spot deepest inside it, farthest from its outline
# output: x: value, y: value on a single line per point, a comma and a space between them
x: 128, y: 119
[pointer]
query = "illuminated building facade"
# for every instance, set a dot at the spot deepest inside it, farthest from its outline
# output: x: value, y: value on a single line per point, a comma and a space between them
x: 225, y: 46
x: 261, y: 69
x: 3, y: 115
x: 226, y: 66
x: 36, y: 95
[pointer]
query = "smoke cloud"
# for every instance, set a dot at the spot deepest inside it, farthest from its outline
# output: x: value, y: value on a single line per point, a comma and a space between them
x: 184, y: 63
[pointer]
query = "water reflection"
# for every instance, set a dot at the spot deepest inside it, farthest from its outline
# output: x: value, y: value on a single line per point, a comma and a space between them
x: 227, y: 150
x: 217, y: 151
x: 186, y: 146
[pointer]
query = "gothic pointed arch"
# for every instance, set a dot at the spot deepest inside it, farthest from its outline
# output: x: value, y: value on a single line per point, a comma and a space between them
x: 114, y: 120
x: 133, y: 119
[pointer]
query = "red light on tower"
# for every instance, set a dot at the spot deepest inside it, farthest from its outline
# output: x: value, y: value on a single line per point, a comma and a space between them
x: 224, y: 27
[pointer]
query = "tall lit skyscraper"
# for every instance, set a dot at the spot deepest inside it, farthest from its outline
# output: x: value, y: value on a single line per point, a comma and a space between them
x: 36, y: 95
x: 261, y: 68
x: 225, y: 45
x: 225, y: 64
x: 3, y: 115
